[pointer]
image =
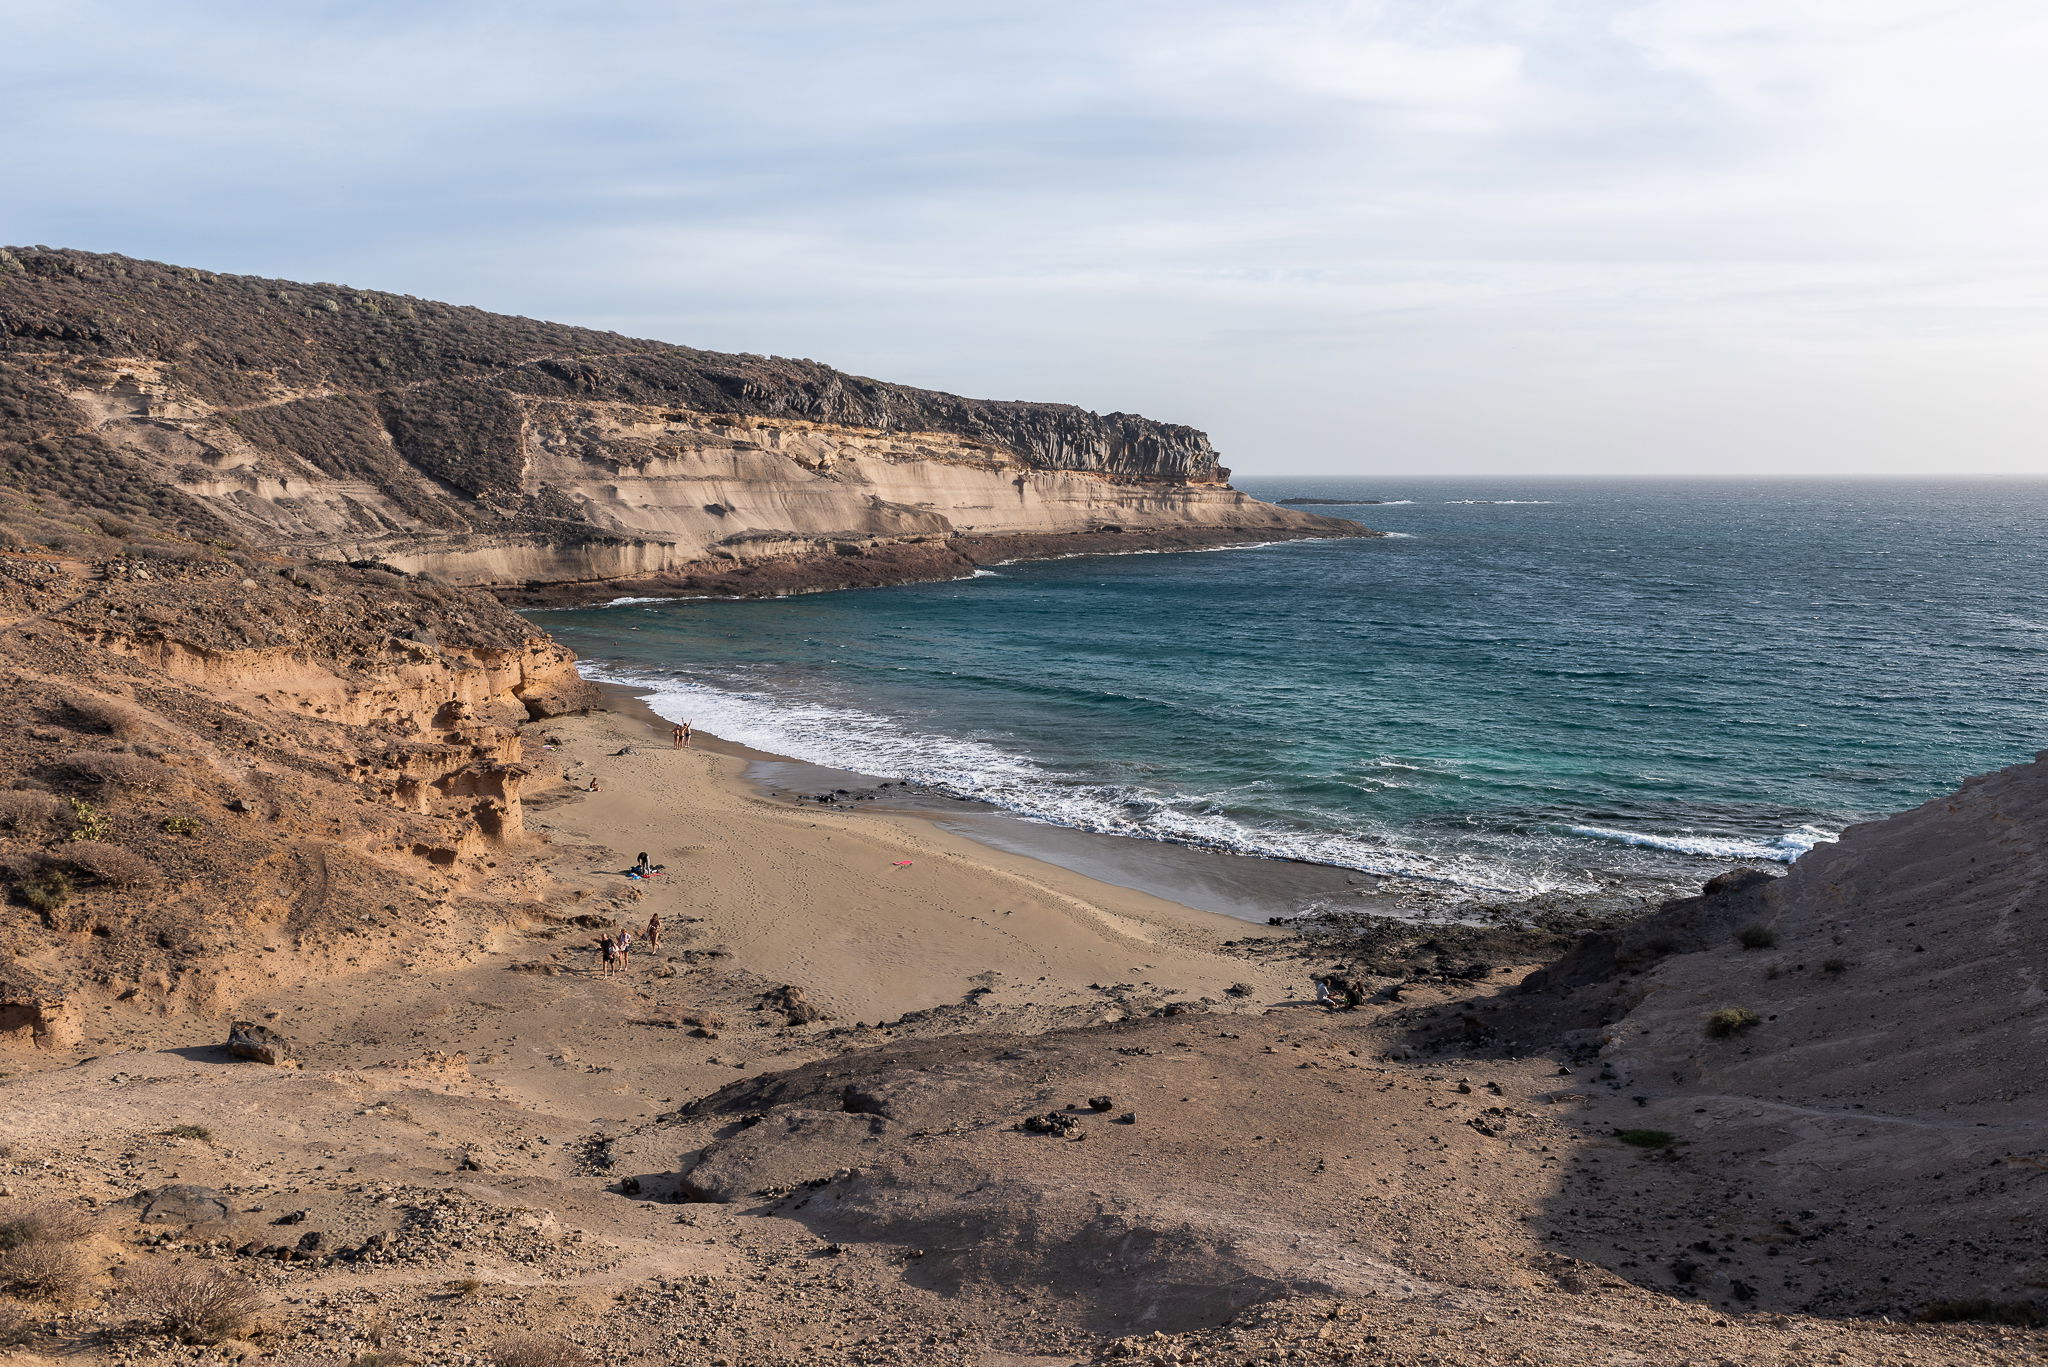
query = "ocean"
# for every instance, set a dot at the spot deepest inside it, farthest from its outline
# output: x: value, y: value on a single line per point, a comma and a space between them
x: 1529, y: 687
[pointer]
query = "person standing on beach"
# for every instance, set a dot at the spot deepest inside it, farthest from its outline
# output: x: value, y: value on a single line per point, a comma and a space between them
x: 608, y: 948
x: 625, y: 944
x: 687, y: 731
x: 654, y: 931
x: 676, y: 735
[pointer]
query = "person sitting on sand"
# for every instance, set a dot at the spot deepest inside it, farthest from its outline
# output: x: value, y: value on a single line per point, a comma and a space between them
x: 653, y: 935
x: 593, y: 784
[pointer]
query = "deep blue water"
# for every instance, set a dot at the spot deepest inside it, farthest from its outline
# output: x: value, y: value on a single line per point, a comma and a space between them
x: 1638, y: 677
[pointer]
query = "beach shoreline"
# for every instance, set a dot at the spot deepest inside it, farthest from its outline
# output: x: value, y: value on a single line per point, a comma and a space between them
x: 871, y: 912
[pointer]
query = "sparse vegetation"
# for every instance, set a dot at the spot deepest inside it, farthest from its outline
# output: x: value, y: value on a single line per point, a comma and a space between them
x: 1730, y: 1021
x: 17, y: 1324
x: 199, y: 1132
x: 1647, y: 1139
x: 28, y: 812
x: 1834, y: 966
x: 468, y: 1289
x: 538, y: 1350
x: 111, y: 769
x: 108, y: 864
x: 107, y: 715
x: 1756, y: 937
x: 46, y: 890
x: 183, y: 825
x: 39, y: 1249
x: 88, y: 821
x: 41, y: 1222
x: 192, y: 1304
x: 51, y: 1271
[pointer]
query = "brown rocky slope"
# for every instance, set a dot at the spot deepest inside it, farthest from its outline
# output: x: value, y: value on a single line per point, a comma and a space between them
x: 215, y: 771
x: 351, y: 425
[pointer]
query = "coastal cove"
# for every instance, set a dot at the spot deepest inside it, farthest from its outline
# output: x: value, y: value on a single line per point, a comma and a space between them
x: 1538, y: 687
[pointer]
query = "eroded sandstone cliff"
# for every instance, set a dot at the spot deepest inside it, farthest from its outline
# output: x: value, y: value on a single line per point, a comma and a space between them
x: 357, y: 426
x: 218, y: 772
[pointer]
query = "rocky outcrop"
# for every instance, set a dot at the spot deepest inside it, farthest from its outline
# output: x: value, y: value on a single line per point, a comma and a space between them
x: 213, y: 769
x: 491, y: 450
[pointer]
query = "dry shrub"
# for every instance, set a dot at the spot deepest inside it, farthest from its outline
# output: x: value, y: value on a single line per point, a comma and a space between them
x: 108, y: 864
x: 192, y: 1304
x: 54, y: 1271
x: 538, y: 1350
x: 109, y: 769
x: 17, y: 1324
x: 42, y: 1222
x: 27, y: 812
x: 109, y: 715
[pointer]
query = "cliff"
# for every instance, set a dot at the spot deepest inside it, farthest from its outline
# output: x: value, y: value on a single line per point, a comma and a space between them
x: 350, y: 425
x: 219, y: 772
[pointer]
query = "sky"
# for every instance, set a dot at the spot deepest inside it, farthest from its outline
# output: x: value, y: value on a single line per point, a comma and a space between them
x: 1351, y: 237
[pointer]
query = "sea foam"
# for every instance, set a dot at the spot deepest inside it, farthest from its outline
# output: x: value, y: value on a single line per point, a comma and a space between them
x: 865, y: 743
x: 1784, y: 849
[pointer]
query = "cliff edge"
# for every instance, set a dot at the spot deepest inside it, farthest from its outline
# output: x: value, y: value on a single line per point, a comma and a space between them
x: 351, y: 425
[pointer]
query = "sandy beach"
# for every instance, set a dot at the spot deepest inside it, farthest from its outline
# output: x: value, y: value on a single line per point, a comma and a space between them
x: 870, y: 913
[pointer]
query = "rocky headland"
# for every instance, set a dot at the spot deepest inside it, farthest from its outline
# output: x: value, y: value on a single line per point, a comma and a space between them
x: 351, y: 425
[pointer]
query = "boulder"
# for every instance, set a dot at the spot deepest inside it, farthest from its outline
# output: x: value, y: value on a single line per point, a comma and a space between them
x: 246, y: 1039
x: 180, y: 1204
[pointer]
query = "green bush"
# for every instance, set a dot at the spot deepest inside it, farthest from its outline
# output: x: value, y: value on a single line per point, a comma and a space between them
x: 1647, y: 1139
x: 45, y: 890
x: 88, y: 821
x: 1730, y: 1021
x: 1756, y: 937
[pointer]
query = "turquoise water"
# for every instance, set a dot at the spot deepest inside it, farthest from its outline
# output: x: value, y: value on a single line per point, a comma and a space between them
x: 1570, y: 681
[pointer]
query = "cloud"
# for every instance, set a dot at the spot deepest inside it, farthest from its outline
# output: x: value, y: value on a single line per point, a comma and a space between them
x: 1454, y: 234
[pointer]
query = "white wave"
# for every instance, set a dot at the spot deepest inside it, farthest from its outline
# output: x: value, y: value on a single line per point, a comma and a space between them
x: 1169, y: 550
x: 1784, y: 849
x: 984, y: 574
x: 846, y: 738
x: 1404, y: 536
x: 624, y: 602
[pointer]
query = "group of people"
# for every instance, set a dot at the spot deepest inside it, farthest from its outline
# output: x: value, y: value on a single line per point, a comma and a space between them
x: 614, y: 950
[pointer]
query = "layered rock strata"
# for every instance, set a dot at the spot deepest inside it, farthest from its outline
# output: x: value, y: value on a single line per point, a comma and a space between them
x: 483, y: 449
x: 204, y: 762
